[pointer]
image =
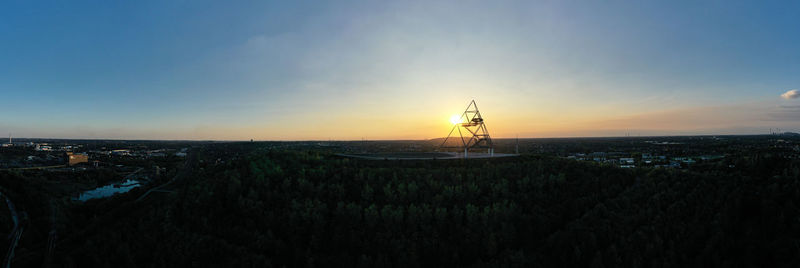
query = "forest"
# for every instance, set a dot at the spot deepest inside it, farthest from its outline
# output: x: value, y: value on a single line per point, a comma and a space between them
x: 293, y: 208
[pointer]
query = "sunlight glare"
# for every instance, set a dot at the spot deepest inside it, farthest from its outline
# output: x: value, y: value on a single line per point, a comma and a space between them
x: 455, y: 119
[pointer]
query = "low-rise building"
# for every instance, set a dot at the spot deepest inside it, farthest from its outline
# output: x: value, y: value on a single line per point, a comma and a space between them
x: 121, y: 152
x: 74, y: 159
x: 626, y: 161
x: 43, y: 147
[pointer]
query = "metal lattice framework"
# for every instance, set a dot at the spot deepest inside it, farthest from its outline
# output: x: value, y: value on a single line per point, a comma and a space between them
x: 477, y: 137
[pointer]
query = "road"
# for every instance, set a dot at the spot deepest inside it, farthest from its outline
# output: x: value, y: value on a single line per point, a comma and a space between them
x: 133, y: 173
x: 15, y: 234
x: 191, y: 160
x: 43, y: 167
x: 51, y: 237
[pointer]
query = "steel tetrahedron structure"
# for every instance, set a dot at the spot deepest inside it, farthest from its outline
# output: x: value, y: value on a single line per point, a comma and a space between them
x: 472, y: 133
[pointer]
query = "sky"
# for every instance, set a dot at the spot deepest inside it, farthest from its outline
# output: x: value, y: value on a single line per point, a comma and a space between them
x: 352, y: 70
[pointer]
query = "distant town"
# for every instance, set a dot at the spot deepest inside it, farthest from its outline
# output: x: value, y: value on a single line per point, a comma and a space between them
x: 624, y: 152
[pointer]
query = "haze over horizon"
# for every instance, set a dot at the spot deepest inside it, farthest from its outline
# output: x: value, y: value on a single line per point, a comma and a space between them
x: 347, y: 70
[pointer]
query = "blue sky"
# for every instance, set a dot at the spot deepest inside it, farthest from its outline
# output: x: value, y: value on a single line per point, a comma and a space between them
x: 385, y: 70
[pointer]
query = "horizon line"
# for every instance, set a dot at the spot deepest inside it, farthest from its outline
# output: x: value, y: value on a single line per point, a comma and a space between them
x: 429, y: 139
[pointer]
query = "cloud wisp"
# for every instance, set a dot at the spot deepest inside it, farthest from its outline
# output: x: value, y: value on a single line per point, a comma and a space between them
x: 791, y: 94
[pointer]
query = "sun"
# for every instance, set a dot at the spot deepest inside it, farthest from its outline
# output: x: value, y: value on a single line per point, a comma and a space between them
x: 455, y: 119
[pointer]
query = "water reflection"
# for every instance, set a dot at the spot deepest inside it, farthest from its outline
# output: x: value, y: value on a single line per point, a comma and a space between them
x: 108, y: 190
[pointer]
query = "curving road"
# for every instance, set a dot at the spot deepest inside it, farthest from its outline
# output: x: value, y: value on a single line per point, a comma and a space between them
x: 15, y: 234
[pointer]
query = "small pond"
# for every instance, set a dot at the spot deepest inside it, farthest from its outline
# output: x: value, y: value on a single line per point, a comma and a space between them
x: 108, y: 190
